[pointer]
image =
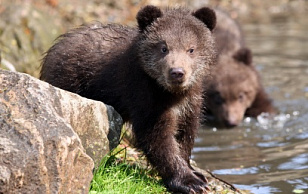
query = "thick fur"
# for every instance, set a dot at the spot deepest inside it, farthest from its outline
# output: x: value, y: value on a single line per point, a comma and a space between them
x: 152, y: 75
x: 234, y: 88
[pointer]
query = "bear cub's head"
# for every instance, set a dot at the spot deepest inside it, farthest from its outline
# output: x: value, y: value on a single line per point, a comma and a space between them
x: 232, y: 88
x: 175, y: 45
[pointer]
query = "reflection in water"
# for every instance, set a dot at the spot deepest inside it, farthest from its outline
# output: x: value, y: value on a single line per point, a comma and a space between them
x: 268, y: 154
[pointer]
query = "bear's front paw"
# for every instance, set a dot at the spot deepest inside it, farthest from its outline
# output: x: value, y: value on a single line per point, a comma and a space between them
x: 190, y: 183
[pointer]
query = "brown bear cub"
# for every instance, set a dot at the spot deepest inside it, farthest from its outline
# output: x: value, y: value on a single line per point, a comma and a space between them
x: 152, y: 75
x: 233, y: 90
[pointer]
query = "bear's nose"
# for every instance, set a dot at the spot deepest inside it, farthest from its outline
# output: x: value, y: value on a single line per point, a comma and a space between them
x: 177, y: 74
x: 231, y: 122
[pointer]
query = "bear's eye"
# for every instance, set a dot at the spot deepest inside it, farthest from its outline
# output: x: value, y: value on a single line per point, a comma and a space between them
x: 241, y: 97
x: 164, y: 49
x: 191, y: 50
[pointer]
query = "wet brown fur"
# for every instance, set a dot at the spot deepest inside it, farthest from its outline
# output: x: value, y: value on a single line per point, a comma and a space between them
x: 150, y: 75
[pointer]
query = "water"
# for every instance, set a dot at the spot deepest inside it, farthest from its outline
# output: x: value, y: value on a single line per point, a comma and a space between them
x: 268, y: 154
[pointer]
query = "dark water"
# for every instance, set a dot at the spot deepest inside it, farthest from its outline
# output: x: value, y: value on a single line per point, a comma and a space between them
x: 268, y: 155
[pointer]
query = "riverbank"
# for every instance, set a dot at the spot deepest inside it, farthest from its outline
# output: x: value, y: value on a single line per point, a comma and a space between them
x: 125, y: 170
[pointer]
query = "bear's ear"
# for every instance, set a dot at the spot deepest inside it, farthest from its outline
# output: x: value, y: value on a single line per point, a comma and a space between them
x: 207, y: 16
x: 147, y: 15
x: 244, y: 55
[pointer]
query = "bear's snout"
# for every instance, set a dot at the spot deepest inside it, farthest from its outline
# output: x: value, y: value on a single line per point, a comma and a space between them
x: 230, y: 123
x: 177, y: 75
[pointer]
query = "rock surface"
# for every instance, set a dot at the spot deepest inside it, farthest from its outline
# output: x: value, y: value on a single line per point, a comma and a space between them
x: 40, y: 151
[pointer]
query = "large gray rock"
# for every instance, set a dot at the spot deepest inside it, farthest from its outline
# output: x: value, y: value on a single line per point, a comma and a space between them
x: 40, y: 151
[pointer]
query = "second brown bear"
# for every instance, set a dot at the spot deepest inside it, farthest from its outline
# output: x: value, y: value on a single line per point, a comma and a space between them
x: 234, y: 89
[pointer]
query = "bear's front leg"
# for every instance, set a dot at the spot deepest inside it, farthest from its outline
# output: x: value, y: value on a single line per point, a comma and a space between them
x: 156, y: 137
x: 185, y: 136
